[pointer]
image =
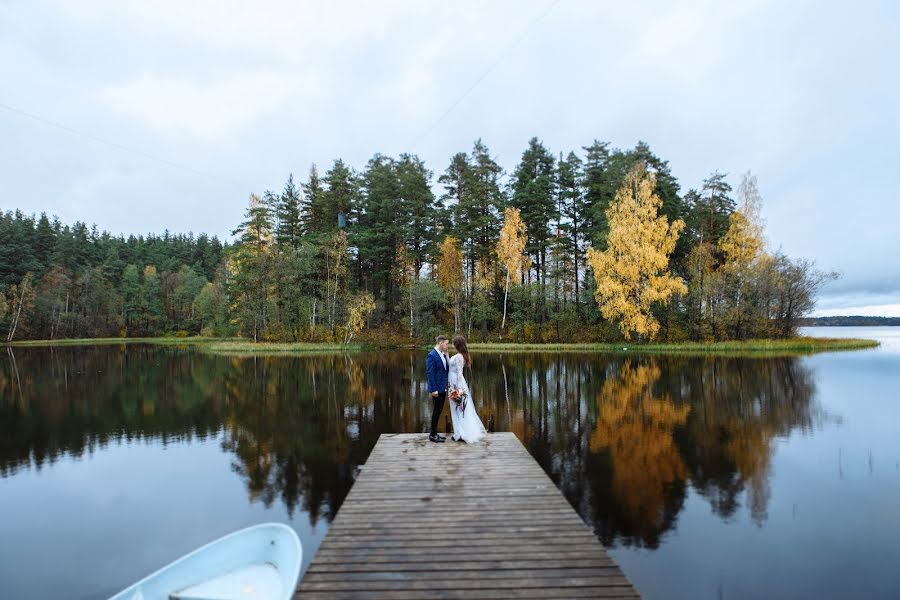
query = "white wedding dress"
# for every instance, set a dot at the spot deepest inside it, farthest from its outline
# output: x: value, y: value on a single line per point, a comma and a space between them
x: 466, y: 424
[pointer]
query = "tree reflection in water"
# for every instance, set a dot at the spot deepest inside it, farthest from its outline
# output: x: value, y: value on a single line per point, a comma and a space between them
x: 623, y: 438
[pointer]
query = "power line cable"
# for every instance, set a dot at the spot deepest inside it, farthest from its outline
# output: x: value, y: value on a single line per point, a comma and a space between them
x: 119, y: 146
x: 487, y: 71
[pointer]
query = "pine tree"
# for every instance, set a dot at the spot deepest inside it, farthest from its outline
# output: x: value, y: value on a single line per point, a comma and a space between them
x: 251, y: 267
x: 533, y: 189
x: 45, y: 241
x: 381, y: 226
x: 152, y: 315
x: 599, y: 191
x: 313, y: 221
x: 710, y: 210
x: 572, y: 208
x: 339, y: 198
x: 456, y: 183
x: 289, y: 211
x: 483, y: 202
x: 130, y: 290
x: 419, y: 209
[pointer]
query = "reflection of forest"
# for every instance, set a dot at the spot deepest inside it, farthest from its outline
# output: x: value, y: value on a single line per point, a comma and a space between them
x: 623, y: 438
x: 298, y: 427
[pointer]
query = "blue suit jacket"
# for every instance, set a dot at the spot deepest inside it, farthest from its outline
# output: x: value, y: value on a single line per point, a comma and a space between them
x: 437, y: 373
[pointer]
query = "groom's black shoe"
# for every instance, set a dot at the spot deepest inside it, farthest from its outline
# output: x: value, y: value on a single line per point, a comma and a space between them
x: 436, y: 438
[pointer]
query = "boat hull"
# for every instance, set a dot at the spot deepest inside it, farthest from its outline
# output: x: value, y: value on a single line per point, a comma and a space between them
x: 258, y: 563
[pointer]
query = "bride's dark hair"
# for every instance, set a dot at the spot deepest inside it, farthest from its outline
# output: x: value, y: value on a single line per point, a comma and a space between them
x: 459, y: 342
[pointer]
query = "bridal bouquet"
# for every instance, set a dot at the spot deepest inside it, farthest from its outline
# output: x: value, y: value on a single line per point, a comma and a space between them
x: 460, y: 397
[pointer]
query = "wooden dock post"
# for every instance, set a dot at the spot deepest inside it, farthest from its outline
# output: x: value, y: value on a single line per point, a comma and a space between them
x: 450, y: 520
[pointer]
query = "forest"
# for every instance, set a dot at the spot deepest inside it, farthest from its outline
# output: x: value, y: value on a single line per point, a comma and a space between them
x: 590, y: 246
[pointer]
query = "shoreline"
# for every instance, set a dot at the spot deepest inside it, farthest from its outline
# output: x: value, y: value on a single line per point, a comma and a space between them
x: 243, y: 347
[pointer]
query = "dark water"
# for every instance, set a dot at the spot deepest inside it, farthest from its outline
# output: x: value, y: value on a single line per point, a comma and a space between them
x: 706, y: 477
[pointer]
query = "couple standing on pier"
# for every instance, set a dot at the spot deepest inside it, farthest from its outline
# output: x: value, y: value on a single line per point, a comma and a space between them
x: 445, y: 380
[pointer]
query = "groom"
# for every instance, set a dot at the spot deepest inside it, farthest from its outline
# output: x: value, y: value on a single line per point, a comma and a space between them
x: 437, y: 365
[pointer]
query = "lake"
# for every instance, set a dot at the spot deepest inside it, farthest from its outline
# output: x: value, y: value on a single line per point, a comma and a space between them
x: 705, y: 477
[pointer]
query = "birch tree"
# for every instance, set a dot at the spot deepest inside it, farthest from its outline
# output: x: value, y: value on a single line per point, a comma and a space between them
x: 450, y: 274
x: 510, y: 250
x: 632, y: 274
x: 742, y: 246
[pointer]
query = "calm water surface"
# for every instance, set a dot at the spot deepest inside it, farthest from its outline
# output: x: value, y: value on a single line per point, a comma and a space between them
x: 705, y: 477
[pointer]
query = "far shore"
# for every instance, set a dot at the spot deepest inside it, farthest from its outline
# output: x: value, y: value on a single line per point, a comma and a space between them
x: 244, y: 347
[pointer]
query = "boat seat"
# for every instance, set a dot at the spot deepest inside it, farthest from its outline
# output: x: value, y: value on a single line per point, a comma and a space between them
x: 252, y: 582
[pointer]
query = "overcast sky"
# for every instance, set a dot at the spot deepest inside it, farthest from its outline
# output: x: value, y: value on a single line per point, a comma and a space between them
x: 806, y: 95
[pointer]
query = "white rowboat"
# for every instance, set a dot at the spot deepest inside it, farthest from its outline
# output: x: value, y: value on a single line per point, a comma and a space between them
x: 258, y: 563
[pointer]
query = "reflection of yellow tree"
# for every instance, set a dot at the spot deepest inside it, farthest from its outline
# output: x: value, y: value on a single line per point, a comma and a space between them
x: 636, y: 428
x: 359, y: 391
x: 750, y: 448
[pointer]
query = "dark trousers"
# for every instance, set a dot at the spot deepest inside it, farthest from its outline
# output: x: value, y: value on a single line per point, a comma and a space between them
x: 438, y: 403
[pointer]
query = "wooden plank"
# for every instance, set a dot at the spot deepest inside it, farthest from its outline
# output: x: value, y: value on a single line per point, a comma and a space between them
x: 456, y: 583
x: 550, y: 593
x: 451, y: 520
x: 483, y: 564
x: 474, y: 572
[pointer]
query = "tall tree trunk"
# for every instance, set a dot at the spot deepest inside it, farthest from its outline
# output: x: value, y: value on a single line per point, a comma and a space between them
x: 505, y: 296
x: 575, y: 255
x: 15, y: 323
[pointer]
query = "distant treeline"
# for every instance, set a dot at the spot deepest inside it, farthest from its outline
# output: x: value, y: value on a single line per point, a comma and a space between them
x: 849, y: 321
x: 588, y: 246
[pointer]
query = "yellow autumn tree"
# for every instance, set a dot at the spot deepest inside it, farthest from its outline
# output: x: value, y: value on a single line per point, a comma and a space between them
x: 450, y: 273
x: 742, y: 247
x: 361, y: 306
x: 511, y: 250
x: 632, y: 274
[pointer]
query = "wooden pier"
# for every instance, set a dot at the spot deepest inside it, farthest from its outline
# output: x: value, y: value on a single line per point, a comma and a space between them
x: 426, y: 520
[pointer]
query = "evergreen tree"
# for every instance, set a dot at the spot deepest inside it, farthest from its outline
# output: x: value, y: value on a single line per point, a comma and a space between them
x: 340, y: 197
x: 381, y: 227
x: 599, y: 191
x: 130, y: 290
x: 251, y: 277
x: 533, y: 193
x: 151, y: 307
x: 44, y: 243
x: 709, y: 211
x: 289, y: 211
x: 572, y: 207
x: 419, y: 208
x: 455, y: 181
x: 483, y: 204
x: 313, y: 221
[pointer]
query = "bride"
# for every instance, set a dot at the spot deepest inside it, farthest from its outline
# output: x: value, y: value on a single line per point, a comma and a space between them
x: 467, y: 426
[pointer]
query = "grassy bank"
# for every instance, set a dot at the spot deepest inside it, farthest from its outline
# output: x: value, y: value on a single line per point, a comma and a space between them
x: 247, y: 348
x: 243, y: 347
x: 791, y: 346
x: 160, y: 341
x: 225, y: 346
